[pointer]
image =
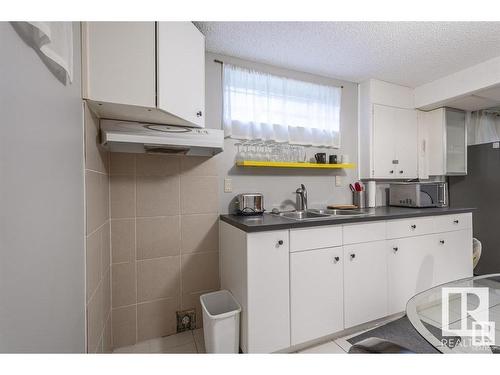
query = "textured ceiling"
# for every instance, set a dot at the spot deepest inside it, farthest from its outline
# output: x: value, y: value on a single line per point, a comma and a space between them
x: 406, y: 53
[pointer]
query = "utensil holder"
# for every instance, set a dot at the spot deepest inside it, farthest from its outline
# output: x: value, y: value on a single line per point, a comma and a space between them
x: 358, y: 199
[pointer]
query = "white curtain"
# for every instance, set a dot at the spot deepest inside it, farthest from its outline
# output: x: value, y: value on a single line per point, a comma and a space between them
x: 486, y: 125
x: 261, y: 106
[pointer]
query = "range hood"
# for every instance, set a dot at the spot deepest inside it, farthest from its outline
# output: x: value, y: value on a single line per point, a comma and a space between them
x: 136, y: 137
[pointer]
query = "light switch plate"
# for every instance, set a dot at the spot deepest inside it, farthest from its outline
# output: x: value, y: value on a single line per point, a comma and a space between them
x: 338, y: 180
x: 228, y: 185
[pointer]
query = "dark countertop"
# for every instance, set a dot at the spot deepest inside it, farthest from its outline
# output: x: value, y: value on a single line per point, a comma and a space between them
x: 274, y: 222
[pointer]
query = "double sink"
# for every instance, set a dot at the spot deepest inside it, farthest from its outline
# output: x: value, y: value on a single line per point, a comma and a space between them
x: 321, y: 214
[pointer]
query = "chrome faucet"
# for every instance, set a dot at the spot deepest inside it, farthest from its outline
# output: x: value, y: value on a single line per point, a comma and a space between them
x: 301, y: 204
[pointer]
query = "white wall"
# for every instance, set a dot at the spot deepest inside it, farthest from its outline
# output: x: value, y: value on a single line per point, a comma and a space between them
x: 278, y: 186
x: 42, y: 259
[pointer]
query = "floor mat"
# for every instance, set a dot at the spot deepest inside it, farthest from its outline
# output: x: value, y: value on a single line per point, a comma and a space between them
x: 401, y: 332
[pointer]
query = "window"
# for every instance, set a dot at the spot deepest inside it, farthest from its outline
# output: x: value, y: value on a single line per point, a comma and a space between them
x: 262, y: 106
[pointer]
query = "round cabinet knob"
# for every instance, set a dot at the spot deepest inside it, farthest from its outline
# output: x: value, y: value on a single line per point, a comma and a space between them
x: 353, y: 256
x: 280, y: 242
x: 413, y: 226
x: 391, y: 172
x: 441, y: 242
x: 395, y: 248
x: 400, y: 172
x: 199, y: 114
x: 455, y: 221
x: 336, y: 259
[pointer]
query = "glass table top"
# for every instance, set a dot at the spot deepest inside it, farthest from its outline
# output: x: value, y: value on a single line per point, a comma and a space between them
x: 459, y: 317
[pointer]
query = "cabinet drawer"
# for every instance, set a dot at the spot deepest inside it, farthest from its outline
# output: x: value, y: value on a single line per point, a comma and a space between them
x: 447, y: 223
x: 366, y: 232
x: 410, y: 227
x: 315, y: 238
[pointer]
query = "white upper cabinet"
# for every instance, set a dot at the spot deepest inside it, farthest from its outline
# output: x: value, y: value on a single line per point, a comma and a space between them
x: 181, y: 71
x: 442, y: 142
x: 120, y: 62
x: 388, y: 131
x: 145, y: 71
x: 394, y: 142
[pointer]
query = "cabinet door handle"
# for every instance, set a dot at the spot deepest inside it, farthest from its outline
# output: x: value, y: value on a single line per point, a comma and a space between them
x: 413, y: 226
x: 395, y: 248
x: 441, y: 242
x: 280, y: 242
x: 455, y: 221
x: 353, y: 256
x: 199, y: 114
x: 336, y: 259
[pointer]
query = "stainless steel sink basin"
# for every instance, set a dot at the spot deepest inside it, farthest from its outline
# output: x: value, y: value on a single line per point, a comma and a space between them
x: 303, y: 215
x: 336, y: 212
x: 320, y: 214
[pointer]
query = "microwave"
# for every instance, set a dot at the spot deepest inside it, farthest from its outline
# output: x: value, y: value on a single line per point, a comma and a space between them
x: 418, y: 194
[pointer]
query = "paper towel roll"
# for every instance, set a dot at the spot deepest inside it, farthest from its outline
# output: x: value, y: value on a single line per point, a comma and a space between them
x: 371, y: 190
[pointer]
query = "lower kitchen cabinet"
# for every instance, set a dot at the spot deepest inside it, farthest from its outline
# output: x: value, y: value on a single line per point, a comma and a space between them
x: 410, y: 269
x: 415, y: 264
x: 452, y: 256
x: 316, y: 293
x: 255, y: 268
x: 299, y: 285
x: 365, y: 282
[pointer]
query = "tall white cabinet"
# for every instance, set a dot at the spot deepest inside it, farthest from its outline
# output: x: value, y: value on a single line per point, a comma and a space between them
x: 145, y: 71
x: 388, y: 131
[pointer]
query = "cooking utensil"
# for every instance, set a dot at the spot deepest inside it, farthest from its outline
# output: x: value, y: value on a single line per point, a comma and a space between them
x: 352, y: 188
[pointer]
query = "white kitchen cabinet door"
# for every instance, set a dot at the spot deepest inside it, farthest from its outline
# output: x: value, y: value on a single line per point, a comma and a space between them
x: 316, y: 290
x: 268, y: 291
x: 119, y: 62
x: 406, y: 131
x: 365, y: 282
x: 181, y: 71
x: 394, y: 142
x: 434, y: 122
x: 384, y: 141
x: 453, y: 256
x: 410, y: 269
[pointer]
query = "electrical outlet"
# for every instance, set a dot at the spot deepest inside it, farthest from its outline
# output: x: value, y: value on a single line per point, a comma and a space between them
x: 186, y: 320
x: 228, y: 185
x: 338, y: 180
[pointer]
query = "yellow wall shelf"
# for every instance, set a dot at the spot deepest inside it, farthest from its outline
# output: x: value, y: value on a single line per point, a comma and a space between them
x: 279, y: 164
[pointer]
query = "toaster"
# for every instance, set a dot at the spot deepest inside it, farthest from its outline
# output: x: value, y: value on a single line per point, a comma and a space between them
x: 250, y: 204
x: 418, y: 194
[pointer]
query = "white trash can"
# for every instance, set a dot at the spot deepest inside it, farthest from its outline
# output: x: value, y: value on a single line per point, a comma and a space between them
x: 221, y: 322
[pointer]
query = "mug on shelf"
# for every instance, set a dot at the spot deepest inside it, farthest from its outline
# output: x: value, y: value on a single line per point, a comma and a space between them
x: 320, y: 158
x: 332, y: 159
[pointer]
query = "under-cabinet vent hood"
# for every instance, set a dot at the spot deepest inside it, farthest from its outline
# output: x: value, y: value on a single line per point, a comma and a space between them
x: 136, y: 137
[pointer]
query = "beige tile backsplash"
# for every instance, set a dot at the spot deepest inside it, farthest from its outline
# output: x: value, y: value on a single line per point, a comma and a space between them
x: 123, y: 239
x: 158, y: 237
x: 164, y: 240
x: 158, y: 278
x: 98, y: 242
x: 153, y: 318
x: 157, y: 195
